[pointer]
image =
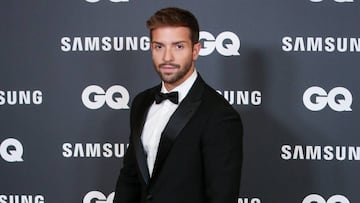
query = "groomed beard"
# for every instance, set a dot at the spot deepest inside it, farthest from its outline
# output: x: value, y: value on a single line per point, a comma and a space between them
x: 173, y: 78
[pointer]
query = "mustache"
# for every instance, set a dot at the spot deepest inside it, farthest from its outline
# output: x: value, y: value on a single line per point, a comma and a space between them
x: 169, y: 64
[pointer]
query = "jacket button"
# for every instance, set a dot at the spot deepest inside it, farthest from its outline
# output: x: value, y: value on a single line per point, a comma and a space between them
x: 149, y: 197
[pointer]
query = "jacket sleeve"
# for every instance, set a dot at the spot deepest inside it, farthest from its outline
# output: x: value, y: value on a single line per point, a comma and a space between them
x: 222, y: 156
x: 128, y: 186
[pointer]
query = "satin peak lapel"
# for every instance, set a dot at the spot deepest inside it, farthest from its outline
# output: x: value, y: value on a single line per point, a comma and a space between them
x: 141, y: 114
x: 177, y: 122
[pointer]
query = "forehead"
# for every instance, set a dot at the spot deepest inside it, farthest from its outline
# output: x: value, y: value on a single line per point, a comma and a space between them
x: 170, y: 34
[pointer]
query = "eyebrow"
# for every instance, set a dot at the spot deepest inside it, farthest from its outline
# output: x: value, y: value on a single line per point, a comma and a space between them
x: 178, y: 42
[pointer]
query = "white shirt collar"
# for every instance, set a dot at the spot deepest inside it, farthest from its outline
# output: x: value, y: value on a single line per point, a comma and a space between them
x: 184, y: 87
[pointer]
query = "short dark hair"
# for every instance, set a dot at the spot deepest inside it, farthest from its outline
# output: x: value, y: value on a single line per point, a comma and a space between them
x: 175, y: 17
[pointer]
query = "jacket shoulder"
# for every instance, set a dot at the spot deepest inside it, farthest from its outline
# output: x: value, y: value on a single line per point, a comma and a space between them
x: 148, y: 93
x: 212, y: 97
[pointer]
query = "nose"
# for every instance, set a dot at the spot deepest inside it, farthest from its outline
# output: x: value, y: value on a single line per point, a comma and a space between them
x: 168, y: 55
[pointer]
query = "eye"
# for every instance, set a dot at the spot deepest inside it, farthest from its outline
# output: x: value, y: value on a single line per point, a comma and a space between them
x: 179, y: 46
x: 157, y: 46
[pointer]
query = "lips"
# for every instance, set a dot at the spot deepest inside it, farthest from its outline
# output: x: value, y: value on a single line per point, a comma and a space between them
x: 167, y: 68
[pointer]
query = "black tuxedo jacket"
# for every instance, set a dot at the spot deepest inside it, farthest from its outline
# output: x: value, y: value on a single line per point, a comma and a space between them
x: 199, y: 156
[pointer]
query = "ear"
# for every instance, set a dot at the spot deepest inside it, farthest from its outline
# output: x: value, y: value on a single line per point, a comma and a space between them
x: 196, y: 50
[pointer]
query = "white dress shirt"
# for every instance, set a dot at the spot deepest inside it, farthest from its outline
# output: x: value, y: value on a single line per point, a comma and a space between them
x: 157, y: 118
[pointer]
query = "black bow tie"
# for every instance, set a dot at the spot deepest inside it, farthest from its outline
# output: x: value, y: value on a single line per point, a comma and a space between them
x: 172, y: 96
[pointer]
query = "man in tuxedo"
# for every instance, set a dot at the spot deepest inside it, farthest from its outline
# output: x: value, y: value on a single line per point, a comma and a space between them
x: 185, y: 140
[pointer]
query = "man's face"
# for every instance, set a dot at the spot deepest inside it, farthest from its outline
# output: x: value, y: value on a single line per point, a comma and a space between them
x: 173, y: 54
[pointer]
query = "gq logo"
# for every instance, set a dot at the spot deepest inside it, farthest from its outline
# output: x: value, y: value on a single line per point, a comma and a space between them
x: 339, y: 1
x: 338, y: 99
x: 11, y: 150
x: 315, y: 198
x: 226, y: 43
x: 98, y: 197
x: 116, y: 97
x: 115, y: 1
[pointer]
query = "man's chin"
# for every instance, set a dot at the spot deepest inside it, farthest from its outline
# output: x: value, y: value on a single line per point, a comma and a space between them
x: 168, y: 80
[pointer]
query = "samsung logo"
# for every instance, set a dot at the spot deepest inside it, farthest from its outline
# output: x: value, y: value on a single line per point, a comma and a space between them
x: 241, y: 97
x: 91, y: 44
x: 21, y: 97
x: 320, y: 44
x: 338, y: 1
x: 22, y: 199
x: 94, y: 150
x: 327, y: 153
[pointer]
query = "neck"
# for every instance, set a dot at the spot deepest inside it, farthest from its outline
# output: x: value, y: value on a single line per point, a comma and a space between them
x: 171, y: 86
